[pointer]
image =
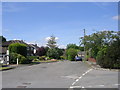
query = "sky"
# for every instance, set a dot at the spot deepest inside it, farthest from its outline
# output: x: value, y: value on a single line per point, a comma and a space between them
x: 35, y: 22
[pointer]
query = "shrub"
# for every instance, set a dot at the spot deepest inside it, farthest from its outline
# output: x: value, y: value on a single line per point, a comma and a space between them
x: 71, y: 53
x: 110, y: 57
x: 62, y: 57
x: 21, y: 59
x: 52, y: 53
x: 13, y: 58
x: 32, y: 57
x: 18, y: 48
x: 42, y: 58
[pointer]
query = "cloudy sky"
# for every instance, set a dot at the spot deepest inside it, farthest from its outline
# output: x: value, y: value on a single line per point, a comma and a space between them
x: 35, y: 22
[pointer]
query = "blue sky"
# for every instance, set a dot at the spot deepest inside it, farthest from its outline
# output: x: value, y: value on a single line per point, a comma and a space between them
x: 35, y: 21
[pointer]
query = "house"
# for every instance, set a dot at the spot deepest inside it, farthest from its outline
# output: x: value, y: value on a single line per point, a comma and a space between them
x: 30, y: 50
x: 35, y: 48
x: 81, y: 54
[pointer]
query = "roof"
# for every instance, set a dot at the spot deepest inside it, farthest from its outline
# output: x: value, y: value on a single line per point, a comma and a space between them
x: 34, y: 46
x: 3, y: 50
x: 7, y: 43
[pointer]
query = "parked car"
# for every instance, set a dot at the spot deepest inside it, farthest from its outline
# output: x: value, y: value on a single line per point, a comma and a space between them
x: 77, y: 58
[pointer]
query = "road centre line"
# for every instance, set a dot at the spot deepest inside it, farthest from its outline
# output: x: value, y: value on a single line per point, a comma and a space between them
x: 81, y: 77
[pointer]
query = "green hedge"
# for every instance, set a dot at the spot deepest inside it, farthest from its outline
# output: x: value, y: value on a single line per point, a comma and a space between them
x: 18, y: 48
x: 21, y: 59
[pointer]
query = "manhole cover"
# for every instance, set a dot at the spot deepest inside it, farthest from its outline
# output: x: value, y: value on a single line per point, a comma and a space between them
x: 26, y: 83
x: 21, y: 86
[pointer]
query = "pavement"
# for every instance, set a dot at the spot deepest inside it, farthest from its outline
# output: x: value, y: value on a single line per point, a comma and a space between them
x: 62, y: 74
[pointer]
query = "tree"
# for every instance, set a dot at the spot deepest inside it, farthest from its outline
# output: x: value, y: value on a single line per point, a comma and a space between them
x: 18, y: 48
x: 51, y: 42
x: 3, y: 39
x: 71, y: 53
x: 53, y: 53
x: 72, y: 46
x: 109, y: 57
x: 98, y: 40
x: 41, y: 51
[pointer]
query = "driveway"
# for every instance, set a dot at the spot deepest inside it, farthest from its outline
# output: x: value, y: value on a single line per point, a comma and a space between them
x: 63, y: 74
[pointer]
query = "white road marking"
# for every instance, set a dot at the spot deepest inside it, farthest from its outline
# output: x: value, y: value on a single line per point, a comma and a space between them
x: 76, y: 87
x: 116, y: 84
x: 80, y: 78
x: 102, y: 85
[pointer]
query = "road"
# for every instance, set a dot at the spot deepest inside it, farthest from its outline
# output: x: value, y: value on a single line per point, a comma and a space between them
x: 63, y: 74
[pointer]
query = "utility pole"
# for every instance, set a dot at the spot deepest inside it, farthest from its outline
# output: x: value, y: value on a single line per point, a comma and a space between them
x: 84, y: 45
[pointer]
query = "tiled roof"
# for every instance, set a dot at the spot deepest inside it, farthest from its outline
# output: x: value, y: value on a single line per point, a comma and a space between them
x: 7, y: 43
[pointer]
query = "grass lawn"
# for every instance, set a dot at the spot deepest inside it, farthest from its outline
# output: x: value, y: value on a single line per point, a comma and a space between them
x: 54, y: 60
x: 4, y: 68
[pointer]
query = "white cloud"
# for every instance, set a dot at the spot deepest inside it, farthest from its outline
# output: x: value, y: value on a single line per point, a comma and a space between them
x: 116, y: 17
x: 62, y: 46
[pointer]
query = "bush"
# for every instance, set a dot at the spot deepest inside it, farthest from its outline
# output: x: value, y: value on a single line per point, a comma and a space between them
x: 71, y: 53
x: 52, y: 53
x: 62, y: 57
x: 18, y: 48
x: 13, y: 58
x: 110, y: 57
x: 21, y: 59
x: 42, y: 58
x: 32, y: 57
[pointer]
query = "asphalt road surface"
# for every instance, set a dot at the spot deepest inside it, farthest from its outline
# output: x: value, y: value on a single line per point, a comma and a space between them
x: 63, y: 74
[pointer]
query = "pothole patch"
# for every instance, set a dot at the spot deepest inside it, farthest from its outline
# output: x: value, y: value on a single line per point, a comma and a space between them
x: 26, y: 83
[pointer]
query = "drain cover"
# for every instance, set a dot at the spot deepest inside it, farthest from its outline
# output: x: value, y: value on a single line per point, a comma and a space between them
x: 21, y: 86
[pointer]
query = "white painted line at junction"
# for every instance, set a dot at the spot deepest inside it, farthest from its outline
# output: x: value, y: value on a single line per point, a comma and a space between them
x: 80, y: 77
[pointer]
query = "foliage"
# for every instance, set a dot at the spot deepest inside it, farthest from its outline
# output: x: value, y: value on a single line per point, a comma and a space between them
x: 42, y: 58
x: 3, y: 39
x: 81, y: 48
x: 110, y: 57
x: 72, y: 46
x: 53, y: 53
x: 98, y: 40
x: 32, y: 57
x: 62, y: 57
x: 18, y: 48
x: 51, y: 42
x: 41, y: 51
x: 13, y: 58
x: 21, y: 59
x: 71, y: 53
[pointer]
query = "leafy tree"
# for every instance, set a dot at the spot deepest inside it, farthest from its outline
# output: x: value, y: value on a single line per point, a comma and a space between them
x: 18, y: 48
x: 41, y: 51
x: 109, y: 57
x: 81, y: 48
x: 71, y: 53
x: 53, y: 53
x: 3, y: 39
x: 72, y: 46
x: 98, y: 40
x: 51, y: 42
